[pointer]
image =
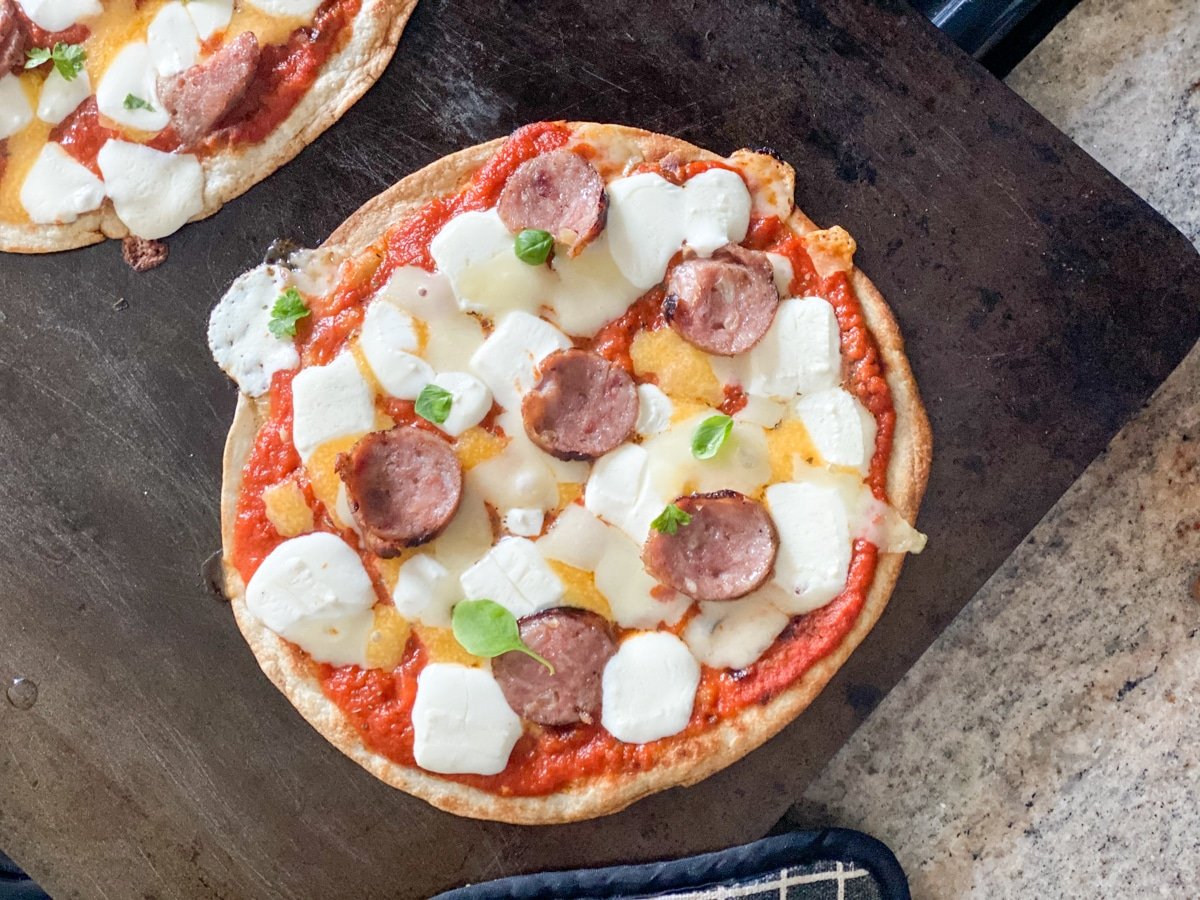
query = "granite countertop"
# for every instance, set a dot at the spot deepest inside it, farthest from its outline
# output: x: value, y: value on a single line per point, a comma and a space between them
x: 1045, y: 745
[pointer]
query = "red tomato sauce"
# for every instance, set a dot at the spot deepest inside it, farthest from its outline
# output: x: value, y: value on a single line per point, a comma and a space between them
x: 379, y: 703
x: 82, y: 135
x: 36, y: 36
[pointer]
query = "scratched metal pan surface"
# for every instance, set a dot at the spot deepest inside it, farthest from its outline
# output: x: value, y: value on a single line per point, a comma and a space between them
x: 1042, y: 303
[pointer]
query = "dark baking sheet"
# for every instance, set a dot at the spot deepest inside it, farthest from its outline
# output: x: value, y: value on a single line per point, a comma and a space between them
x: 1041, y: 300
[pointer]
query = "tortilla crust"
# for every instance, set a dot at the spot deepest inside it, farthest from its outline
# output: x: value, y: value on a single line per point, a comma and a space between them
x: 344, y: 78
x: 684, y: 764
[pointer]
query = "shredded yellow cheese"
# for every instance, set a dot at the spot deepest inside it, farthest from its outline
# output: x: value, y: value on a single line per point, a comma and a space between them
x: 287, y: 509
x: 681, y: 370
x: 385, y: 649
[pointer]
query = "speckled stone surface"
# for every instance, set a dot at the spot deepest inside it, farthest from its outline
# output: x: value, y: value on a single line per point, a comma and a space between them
x: 1122, y: 79
x: 1046, y: 745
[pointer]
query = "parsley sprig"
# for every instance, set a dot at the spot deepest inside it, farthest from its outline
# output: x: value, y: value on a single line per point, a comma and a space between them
x: 68, y: 59
x: 671, y: 519
x: 289, y: 309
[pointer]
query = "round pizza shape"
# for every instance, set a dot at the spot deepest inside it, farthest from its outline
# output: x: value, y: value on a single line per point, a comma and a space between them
x: 568, y: 470
x: 128, y: 118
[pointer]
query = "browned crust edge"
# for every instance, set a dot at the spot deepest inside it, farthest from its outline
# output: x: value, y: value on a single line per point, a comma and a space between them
x: 345, y: 77
x: 685, y: 764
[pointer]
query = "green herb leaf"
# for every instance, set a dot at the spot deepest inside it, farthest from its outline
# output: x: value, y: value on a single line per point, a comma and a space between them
x: 289, y: 309
x: 36, y: 57
x: 135, y: 102
x: 68, y: 59
x: 710, y: 436
x: 534, y: 246
x: 433, y: 403
x: 670, y: 519
x: 485, y: 628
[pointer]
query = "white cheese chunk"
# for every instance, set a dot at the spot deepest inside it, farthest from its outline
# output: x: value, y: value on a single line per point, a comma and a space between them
x: 239, y: 333
x: 733, y: 634
x: 154, y: 193
x: 781, y: 268
x: 425, y: 591
x: 814, y: 543
x: 59, y: 97
x: 654, y: 410
x: 840, y: 427
x: 507, y: 360
x: 452, y: 342
x: 342, y: 514
x: 173, y: 40
x: 649, y: 688
x: 470, y: 401
x: 132, y: 74
x: 474, y: 250
x: 576, y: 538
x: 389, y: 341
x: 742, y: 463
x: 590, y: 291
x: 649, y: 219
x: 517, y: 477
x: 524, y: 522
x: 58, y: 15
x: 209, y: 16
x: 761, y: 411
x: 286, y: 7
x: 453, y: 336
x: 799, y: 354
x: 15, y: 111
x: 330, y: 402
x: 313, y: 591
x: 631, y: 592
x: 461, y: 721
x: 621, y: 492
x: 57, y: 188
x: 514, y: 575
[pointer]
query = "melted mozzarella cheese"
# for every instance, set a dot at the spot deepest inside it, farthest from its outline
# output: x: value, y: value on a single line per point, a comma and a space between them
x: 468, y: 536
x: 286, y: 7
x: 654, y: 410
x: 799, y: 354
x: 59, y: 97
x: 15, y: 111
x: 650, y: 219
x: 733, y: 634
x: 869, y: 518
x: 761, y: 411
x: 239, y: 333
x: 452, y: 336
x: 470, y: 401
x: 507, y: 360
x: 475, y: 252
x: 814, y: 543
x: 132, y: 74
x: 781, y: 268
x: 742, y: 464
x: 425, y: 591
x: 517, y: 477
x: 524, y: 522
x: 330, y: 402
x: 632, y: 594
x: 461, y: 721
x: 154, y: 193
x: 57, y: 188
x: 57, y: 15
x: 840, y: 427
x: 313, y: 591
x: 576, y: 538
x: 389, y: 342
x: 649, y: 687
x: 621, y: 492
x: 590, y: 291
x: 172, y: 38
x: 514, y: 575
x: 209, y: 16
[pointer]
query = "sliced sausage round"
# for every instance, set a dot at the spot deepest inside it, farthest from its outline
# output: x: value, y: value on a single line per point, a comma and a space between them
x: 12, y: 38
x: 725, y: 552
x: 199, y: 97
x: 725, y: 304
x: 403, y: 485
x: 577, y: 643
x: 558, y: 192
x: 581, y: 407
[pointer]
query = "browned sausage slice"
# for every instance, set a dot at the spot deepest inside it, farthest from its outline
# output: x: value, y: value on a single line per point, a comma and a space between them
x: 725, y: 551
x: 577, y: 643
x: 12, y: 38
x: 404, y: 486
x: 198, y: 98
x: 558, y: 192
x: 581, y: 407
x: 725, y: 304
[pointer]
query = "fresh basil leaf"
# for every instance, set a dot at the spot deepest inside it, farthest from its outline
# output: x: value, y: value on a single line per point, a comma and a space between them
x: 289, y: 309
x: 670, y: 519
x: 485, y: 628
x: 36, y: 57
x: 533, y: 246
x: 134, y: 102
x: 434, y: 403
x: 68, y: 59
x: 710, y: 436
